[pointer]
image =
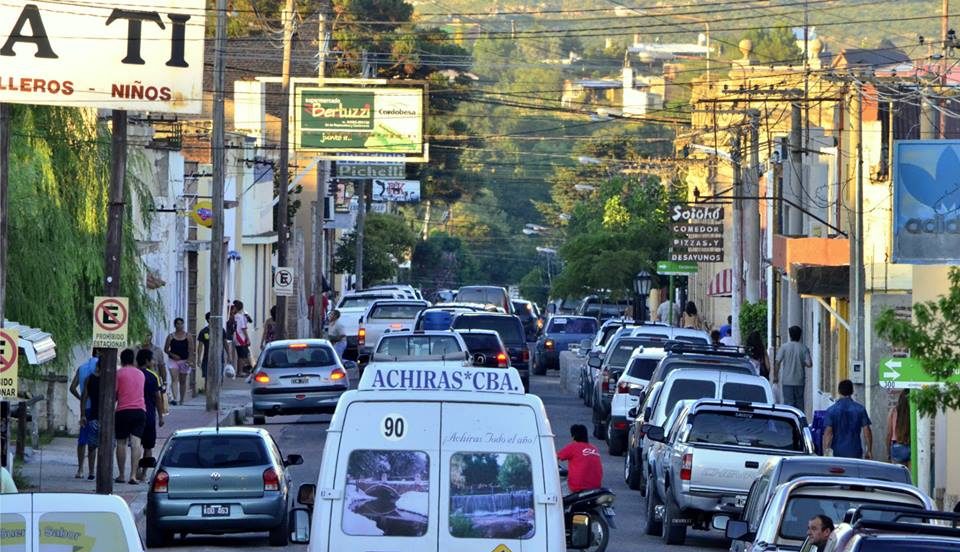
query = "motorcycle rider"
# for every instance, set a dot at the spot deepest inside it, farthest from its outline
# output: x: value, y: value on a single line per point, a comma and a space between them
x: 584, y: 466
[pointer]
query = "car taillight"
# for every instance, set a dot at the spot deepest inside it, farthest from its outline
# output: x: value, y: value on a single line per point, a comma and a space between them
x: 160, y: 482
x: 687, y: 467
x: 271, y: 481
x: 620, y: 425
x: 525, y: 355
x: 261, y: 378
x: 623, y: 387
x: 502, y: 360
x: 362, y: 337
x: 548, y: 344
x: 338, y: 374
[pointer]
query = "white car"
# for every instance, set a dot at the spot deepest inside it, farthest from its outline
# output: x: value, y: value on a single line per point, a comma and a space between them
x: 633, y: 381
x: 352, y: 307
x: 386, y: 316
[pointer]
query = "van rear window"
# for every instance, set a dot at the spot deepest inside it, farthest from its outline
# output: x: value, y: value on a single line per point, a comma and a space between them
x: 746, y: 429
x: 491, y: 496
x: 689, y: 389
x: 387, y: 493
x: 642, y: 368
x: 744, y: 392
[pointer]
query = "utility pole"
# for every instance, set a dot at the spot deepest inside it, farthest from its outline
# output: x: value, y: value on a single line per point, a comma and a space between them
x: 283, y: 225
x: 323, y: 172
x: 736, y: 298
x: 111, y: 288
x: 218, y: 155
x: 857, y: 273
x: 5, y: 122
x: 944, y: 29
x: 794, y: 218
x: 751, y: 213
x: 361, y: 224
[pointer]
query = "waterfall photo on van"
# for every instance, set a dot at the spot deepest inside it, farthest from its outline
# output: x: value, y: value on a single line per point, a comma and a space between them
x: 387, y: 493
x: 491, y: 496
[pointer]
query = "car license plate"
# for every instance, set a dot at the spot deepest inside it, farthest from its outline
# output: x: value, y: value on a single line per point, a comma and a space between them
x: 299, y: 381
x: 608, y: 511
x: 216, y: 510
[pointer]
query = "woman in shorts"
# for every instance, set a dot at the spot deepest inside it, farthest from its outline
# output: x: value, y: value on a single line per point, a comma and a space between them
x: 180, y: 350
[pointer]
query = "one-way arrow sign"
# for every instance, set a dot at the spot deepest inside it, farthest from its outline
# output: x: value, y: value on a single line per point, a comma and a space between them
x: 891, y: 373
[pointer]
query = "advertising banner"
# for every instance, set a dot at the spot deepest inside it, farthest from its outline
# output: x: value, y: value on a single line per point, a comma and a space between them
x: 926, y: 202
x: 133, y: 55
x: 698, y: 233
x: 368, y: 120
x: 400, y: 191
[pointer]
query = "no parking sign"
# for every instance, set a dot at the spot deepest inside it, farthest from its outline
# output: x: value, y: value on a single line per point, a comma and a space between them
x: 110, y: 320
x: 8, y: 362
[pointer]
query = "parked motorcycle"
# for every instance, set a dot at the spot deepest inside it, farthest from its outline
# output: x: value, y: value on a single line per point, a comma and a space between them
x: 588, y: 518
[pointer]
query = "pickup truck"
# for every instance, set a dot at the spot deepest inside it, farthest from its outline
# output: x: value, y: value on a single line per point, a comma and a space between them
x: 383, y: 317
x: 352, y: 306
x: 712, y: 455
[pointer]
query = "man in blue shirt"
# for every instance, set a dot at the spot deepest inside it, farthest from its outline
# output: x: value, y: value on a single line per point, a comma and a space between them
x: 86, y: 441
x: 845, y: 420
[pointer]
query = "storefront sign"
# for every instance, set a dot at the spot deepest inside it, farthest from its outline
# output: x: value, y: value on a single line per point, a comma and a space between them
x: 697, y: 233
x: 134, y: 56
x: 400, y: 191
x: 926, y: 198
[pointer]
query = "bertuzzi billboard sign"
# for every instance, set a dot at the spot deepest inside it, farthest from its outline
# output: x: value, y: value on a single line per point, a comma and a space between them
x: 136, y: 56
x: 369, y: 120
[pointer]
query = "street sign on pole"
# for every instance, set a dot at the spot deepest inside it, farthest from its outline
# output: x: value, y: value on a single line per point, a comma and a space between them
x: 676, y: 268
x: 8, y: 363
x: 283, y: 282
x: 111, y: 317
x: 907, y: 373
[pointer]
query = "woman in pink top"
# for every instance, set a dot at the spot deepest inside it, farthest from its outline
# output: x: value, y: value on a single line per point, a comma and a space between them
x: 130, y: 418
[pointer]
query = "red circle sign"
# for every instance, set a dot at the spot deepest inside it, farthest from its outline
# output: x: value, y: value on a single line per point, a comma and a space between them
x: 110, y: 319
x: 8, y: 351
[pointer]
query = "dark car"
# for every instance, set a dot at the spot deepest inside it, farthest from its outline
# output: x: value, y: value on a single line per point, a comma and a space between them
x: 615, y: 361
x: 602, y: 308
x: 527, y: 312
x: 485, y: 348
x: 510, y: 330
x: 219, y: 480
x: 488, y: 295
x: 559, y: 334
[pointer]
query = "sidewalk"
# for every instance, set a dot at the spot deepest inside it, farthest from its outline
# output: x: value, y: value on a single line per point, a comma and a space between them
x: 52, y: 467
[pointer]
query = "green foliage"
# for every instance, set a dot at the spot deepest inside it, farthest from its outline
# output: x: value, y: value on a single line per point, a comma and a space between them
x: 441, y: 261
x: 515, y: 473
x: 534, y: 286
x: 59, y: 179
x: 388, y: 240
x: 932, y: 338
x: 753, y: 318
x: 479, y: 470
x: 775, y: 45
x: 462, y: 527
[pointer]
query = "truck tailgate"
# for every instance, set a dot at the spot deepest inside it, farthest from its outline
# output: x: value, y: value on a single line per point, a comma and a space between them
x: 726, y: 470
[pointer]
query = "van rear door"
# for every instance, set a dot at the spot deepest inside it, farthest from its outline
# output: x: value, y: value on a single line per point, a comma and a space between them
x: 493, y: 481
x: 386, y: 488
x: 14, y: 518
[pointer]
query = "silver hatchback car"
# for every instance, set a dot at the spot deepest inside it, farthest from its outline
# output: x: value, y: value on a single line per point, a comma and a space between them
x: 226, y: 480
x: 297, y: 376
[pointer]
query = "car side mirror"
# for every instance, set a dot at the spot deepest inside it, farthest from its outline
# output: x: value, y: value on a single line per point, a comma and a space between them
x: 655, y: 433
x: 306, y: 494
x: 738, y: 530
x: 647, y: 413
x: 633, y: 412
x: 293, y: 460
x: 594, y: 362
x: 147, y: 462
x: 300, y: 525
x: 585, y: 344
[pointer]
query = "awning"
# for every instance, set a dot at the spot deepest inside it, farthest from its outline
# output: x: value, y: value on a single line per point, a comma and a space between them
x: 722, y: 284
x: 38, y: 346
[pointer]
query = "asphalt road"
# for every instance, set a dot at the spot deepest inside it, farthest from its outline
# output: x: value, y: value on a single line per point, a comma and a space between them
x: 305, y: 435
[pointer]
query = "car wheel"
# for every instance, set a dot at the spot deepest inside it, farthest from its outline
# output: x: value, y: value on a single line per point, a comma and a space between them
x: 654, y: 525
x: 631, y: 475
x: 674, y: 531
x: 614, y: 444
x: 279, y: 535
x: 155, y: 537
x: 259, y: 419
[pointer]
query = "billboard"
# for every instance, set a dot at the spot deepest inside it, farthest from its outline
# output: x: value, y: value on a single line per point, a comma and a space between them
x: 400, y: 191
x: 370, y: 120
x: 134, y: 55
x: 926, y: 202
x: 697, y: 233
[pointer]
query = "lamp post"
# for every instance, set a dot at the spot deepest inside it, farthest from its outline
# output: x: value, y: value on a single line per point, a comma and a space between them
x: 641, y: 284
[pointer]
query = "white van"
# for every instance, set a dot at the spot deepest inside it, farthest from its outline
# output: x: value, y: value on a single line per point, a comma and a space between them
x: 67, y: 521
x: 435, y: 458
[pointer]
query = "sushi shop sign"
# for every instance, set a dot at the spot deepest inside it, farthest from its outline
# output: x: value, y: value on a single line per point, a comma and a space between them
x: 136, y: 55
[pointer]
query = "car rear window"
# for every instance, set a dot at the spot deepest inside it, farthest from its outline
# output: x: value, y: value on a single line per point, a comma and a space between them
x: 215, y: 451
x: 606, y: 309
x: 607, y: 332
x: 419, y: 345
x: 799, y: 509
x: 572, y: 325
x: 642, y: 368
x: 746, y: 429
x: 511, y: 333
x: 621, y: 351
x: 744, y: 392
x: 689, y: 389
x: 298, y: 356
x: 360, y: 301
x: 492, y: 296
x: 396, y: 312
x: 481, y: 343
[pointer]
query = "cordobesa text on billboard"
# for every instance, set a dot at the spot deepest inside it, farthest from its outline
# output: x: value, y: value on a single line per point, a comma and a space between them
x: 135, y: 56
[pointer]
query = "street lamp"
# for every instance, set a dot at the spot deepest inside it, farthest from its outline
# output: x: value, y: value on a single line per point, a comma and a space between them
x: 641, y: 284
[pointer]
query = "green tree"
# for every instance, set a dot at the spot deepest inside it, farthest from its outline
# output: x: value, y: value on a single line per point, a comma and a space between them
x: 933, y: 338
x: 775, y: 45
x: 515, y: 473
x: 388, y: 240
x: 534, y: 286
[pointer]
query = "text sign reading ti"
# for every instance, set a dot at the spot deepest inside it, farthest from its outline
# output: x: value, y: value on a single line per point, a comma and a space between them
x: 137, y: 55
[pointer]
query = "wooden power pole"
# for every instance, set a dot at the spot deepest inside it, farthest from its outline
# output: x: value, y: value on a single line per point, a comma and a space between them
x: 283, y: 225
x: 5, y: 122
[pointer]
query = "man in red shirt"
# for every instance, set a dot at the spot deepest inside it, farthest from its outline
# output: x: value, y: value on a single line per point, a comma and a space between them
x: 584, y: 467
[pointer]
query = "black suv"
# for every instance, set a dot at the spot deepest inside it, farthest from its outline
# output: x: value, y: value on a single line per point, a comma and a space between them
x: 511, y: 334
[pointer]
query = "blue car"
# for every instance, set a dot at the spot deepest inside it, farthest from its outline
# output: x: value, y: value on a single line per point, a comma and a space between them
x: 559, y: 334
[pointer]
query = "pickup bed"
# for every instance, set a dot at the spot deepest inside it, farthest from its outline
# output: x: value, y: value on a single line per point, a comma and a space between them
x: 713, y: 453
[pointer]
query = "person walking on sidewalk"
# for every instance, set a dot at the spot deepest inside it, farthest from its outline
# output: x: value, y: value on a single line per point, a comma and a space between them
x: 269, y: 328
x: 898, y: 430
x: 792, y: 361
x: 131, y: 414
x: 90, y: 421
x: 180, y: 351
x: 85, y: 448
x: 845, y: 421
x: 241, y: 338
x: 152, y: 393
